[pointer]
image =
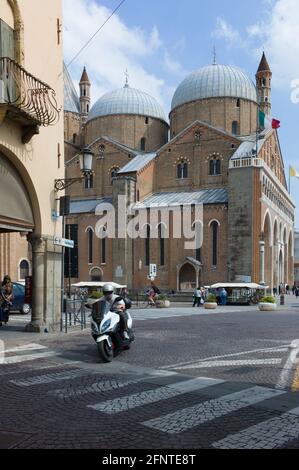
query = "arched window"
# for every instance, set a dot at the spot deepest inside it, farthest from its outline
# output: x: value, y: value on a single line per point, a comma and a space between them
x: 182, y: 170
x: 103, y: 247
x: 147, y: 245
x: 113, y: 173
x: 24, y: 269
x: 162, y: 244
x: 235, y: 128
x: 214, y: 230
x: 88, y: 108
x: 238, y: 103
x: 88, y: 182
x: 90, y: 245
x: 215, y: 166
x: 142, y: 144
x: 74, y: 138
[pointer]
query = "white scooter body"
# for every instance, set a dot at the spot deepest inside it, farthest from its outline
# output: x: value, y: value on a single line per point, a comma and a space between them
x: 108, y: 327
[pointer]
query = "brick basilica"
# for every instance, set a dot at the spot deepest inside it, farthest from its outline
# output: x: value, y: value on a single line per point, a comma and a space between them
x: 212, y: 151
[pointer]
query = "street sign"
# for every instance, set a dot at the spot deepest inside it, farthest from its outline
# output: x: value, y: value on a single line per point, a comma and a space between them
x: 153, y: 271
x: 64, y: 242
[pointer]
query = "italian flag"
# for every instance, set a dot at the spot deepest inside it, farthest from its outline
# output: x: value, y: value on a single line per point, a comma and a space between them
x: 268, y: 122
x: 293, y: 172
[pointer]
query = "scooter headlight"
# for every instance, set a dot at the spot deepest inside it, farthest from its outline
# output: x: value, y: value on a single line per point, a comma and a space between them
x: 105, y: 326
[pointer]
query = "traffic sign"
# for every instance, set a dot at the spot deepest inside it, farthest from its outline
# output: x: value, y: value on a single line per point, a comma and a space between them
x: 64, y: 242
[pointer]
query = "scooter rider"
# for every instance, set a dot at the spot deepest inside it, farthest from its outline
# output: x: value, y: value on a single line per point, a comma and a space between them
x: 110, y: 301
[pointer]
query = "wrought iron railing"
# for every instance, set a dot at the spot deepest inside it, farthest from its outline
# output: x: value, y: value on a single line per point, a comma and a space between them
x: 21, y: 89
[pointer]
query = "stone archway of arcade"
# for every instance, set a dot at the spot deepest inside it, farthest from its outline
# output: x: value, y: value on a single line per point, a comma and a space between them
x: 278, y: 253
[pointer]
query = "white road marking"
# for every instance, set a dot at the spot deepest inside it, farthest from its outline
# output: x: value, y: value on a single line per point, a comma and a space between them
x: 26, y: 358
x: 243, y: 353
x: 153, y: 396
x: 286, y: 373
x: 188, y: 418
x: 26, y: 347
x: 50, y: 378
x: 269, y: 434
x: 253, y: 362
x: 97, y: 387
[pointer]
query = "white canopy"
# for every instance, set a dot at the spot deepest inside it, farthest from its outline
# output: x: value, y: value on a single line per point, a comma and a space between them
x: 239, y: 285
x: 82, y: 285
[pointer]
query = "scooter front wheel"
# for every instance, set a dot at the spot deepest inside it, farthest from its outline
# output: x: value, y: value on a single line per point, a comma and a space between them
x: 105, y: 351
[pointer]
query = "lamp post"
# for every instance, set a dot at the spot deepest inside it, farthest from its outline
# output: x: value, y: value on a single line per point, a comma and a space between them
x: 85, y: 159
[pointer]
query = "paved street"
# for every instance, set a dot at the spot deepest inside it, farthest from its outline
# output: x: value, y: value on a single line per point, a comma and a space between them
x: 192, y: 380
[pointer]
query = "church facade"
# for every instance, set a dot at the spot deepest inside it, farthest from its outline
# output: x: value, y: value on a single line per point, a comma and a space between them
x: 211, y: 163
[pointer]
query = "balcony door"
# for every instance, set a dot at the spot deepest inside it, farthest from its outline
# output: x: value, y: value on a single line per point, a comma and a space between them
x: 7, y: 49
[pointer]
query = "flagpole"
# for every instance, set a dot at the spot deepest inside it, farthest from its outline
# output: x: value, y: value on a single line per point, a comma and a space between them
x: 290, y: 179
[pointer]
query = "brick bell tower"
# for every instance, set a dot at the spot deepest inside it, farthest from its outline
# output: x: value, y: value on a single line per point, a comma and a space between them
x: 263, y: 83
x: 85, y: 87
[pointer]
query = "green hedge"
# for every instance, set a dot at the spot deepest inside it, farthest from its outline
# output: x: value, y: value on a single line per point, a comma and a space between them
x: 268, y: 300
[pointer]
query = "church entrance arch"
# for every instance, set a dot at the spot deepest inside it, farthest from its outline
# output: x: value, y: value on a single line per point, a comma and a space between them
x: 187, y: 278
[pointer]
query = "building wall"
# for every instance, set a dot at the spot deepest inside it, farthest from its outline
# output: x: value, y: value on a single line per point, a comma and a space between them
x: 40, y: 161
x: 219, y: 112
x: 129, y: 130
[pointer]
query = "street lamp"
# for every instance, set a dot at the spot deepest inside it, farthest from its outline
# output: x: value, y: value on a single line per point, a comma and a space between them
x: 85, y: 159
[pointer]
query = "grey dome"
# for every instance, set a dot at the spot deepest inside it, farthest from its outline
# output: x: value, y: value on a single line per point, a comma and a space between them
x: 127, y: 101
x: 215, y: 81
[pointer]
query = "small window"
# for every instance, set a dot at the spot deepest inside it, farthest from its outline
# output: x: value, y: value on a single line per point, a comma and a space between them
x: 88, y: 182
x: 238, y: 103
x: 88, y: 108
x: 235, y: 128
x: 215, y: 167
x: 114, y: 172
x: 90, y: 246
x: 74, y: 138
x: 146, y: 120
x: 24, y: 269
x: 182, y: 171
x: 142, y: 144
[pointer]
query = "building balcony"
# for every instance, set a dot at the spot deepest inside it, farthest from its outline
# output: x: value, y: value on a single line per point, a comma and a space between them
x: 25, y: 100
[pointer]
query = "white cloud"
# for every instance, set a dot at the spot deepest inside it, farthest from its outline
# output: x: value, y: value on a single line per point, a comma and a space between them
x: 279, y: 35
x: 225, y: 31
x: 114, y: 49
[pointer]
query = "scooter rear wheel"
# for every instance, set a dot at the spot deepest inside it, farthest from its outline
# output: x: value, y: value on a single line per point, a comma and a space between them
x: 105, y: 351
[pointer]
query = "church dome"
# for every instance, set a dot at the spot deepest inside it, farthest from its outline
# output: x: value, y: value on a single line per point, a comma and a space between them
x: 127, y: 101
x: 215, y: 81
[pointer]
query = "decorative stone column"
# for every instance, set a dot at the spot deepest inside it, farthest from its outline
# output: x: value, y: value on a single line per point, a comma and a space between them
x: 262, y: 262
x: 38, y: 294
x: 46, y: 277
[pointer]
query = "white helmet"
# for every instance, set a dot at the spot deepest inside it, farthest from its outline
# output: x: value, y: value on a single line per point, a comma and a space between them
x: 108, y: 289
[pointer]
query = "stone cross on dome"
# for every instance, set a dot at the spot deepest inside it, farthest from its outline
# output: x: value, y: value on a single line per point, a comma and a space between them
x: 127, y: 78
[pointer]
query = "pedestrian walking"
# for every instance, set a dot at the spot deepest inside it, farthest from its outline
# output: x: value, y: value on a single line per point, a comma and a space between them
x: 223, y: 297
x: 6, y: 297
x: 197, y: 297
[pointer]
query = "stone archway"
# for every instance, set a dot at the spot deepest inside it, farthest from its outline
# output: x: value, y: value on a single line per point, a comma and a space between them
x: 267, y: 233
x: 188, y: 275
x: 96, y: 275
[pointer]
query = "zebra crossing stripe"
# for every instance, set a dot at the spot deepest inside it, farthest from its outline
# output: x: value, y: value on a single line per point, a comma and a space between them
x: 26, y: 358
x: 26, y: 347
x: 97, y: 387
x: 270, y: 434
x: 188, y: 418
x: 152, y: 396
x: 50, y: 378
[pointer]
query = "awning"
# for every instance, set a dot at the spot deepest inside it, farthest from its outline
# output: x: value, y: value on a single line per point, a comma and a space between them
x: 240, y: 285
x: 82, y: 285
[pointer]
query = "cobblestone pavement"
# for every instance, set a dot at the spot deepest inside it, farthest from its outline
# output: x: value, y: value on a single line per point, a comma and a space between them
x: 188, y: 382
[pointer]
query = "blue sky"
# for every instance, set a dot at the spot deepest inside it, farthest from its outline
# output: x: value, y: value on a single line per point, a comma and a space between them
x: 161, y: 41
